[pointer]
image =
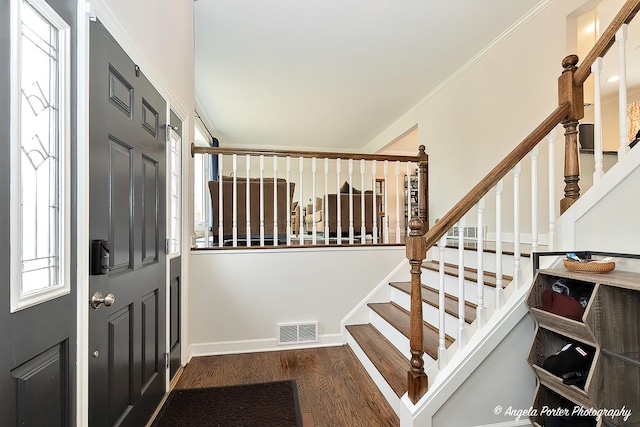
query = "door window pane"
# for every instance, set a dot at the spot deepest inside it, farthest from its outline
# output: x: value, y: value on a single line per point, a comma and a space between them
x: 174, y: 192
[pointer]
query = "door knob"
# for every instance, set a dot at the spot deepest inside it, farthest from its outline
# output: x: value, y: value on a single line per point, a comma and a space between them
x: 97, y: 300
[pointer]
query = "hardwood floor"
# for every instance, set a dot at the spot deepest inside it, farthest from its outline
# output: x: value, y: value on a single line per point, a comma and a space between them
x: 333, y: 388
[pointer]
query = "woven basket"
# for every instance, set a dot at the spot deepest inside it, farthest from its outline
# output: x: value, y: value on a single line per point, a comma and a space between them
x: 591, y: 267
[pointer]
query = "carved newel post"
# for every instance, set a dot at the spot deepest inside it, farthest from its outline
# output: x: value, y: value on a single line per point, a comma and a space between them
x: 416, y: 253
x: 569, y: 91
x: 423, y: 186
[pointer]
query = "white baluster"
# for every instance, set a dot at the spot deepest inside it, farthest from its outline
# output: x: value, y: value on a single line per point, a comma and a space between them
x: 499, y: 284
x: 397, y: 201
x: 325, y: 199
x: 289, y: 200
x: 596, y: 69
x: 534, y: 199
x: 275, y: 200
x: 313, y: 200
x: 248, y: 199
x: 374, y: 203
x: 442, y: 347
x: 338, y: 204
x: 234, y: 221
x: 481, y: 309
x: 385, y: 219
x: 261, y: 201
x: 207, y: 205
x: 408, y: 196
x: 351, y: 232
x: 516, y: 225
x: 552, y: 189
x: 301, y: 205
x: 462, y: 329
x: 220, y: 215
x: 621, y: 39
x: 363, y: 228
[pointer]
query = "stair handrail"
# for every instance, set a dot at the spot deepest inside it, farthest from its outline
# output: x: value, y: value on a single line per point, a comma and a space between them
x: 604, y: 43
x: 569, y: 111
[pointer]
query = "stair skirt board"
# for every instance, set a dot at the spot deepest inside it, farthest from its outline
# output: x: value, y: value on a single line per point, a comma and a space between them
x: 524, y: 421
x: 430, y: 313
x: 382, y: 384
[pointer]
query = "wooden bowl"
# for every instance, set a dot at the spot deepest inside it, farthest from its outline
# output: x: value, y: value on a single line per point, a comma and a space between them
x: 589, y: 267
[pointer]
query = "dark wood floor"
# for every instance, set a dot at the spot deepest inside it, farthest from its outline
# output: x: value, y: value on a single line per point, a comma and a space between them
x: 333, y: 388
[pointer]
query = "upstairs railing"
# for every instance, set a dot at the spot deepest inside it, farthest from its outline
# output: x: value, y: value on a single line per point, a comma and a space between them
x: 568, y: 113
x: 266, y: 198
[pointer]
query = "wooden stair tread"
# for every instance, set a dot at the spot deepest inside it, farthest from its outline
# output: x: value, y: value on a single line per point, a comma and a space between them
x: 399, y: 318
x: 430, y: 296
x: 387, y: 359
x: 470, y: 274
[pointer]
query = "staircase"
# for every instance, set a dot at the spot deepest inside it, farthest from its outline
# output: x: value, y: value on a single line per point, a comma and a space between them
x: 383, y: 342
x: 424, y: 334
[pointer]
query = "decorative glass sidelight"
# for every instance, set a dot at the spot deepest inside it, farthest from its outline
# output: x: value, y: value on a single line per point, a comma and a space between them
x: 40, y: 192
x: 175, y: 147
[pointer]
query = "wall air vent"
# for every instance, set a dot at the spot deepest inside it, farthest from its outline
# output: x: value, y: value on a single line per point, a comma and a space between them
x: 296, y: 333
x: 467, y: 232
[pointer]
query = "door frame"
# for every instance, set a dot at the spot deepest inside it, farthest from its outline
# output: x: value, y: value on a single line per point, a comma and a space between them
x: 87, y: 11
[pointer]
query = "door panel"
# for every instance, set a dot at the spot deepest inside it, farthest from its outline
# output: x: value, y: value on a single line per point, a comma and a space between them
x: 127, y: 208
x: 38, y: 357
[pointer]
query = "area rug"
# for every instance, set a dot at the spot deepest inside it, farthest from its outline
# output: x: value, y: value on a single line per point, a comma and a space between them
x: 263, y: 404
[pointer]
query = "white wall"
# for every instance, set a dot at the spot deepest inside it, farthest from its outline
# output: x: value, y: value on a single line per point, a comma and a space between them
x: 237, y: 296
x: 503, y: 379
x: 483, y: 112
x: 606, y: 219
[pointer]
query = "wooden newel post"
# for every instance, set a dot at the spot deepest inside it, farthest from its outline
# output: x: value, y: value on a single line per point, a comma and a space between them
x: 569, y: 91
x: 416, y: 253
x: 423, y: 185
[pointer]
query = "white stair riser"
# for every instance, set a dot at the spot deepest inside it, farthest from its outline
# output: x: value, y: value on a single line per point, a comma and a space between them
x: 396, y: 338
x: 471, y: 259
x: 432, y: 279
x: 430, y: 313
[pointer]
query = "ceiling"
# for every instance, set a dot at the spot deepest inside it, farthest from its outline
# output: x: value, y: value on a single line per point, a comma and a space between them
x: 331, y: 74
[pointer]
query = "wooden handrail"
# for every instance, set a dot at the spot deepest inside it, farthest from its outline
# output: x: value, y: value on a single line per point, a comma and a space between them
x: 306, y: 154
x: 492, y: 178
x: 624, y: 16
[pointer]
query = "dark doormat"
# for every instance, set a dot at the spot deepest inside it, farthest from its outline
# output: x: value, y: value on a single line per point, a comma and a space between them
x: 263, y: 404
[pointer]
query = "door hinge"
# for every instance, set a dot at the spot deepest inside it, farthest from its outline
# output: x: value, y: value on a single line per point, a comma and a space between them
x: 167, y: 360
x: 167, y: 246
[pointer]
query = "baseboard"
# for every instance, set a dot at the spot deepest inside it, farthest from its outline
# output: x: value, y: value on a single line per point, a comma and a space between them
x: 259, y: 345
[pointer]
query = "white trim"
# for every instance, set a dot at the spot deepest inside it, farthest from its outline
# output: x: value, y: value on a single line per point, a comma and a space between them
x: 82, y: 218
x: 259, y: 345
x: 18, y: 301
x: 290, y: 249
x: 373, y: 146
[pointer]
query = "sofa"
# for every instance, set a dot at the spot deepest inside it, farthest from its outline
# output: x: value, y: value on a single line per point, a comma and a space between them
x: 283, y: 208
x: 330, y: 201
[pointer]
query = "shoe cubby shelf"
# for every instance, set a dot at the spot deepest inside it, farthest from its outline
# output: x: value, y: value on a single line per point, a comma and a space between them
x: 609, y: 328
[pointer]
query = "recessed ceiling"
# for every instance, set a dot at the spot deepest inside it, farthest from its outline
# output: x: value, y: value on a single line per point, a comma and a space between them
x: 331, y: 74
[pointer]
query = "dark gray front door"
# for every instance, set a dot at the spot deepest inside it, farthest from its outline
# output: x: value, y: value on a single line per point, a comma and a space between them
x: 127, y: 213
x: 37, y: 360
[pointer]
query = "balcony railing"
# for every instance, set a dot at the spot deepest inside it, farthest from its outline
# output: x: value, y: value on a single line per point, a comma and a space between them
x: 262, y: 198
